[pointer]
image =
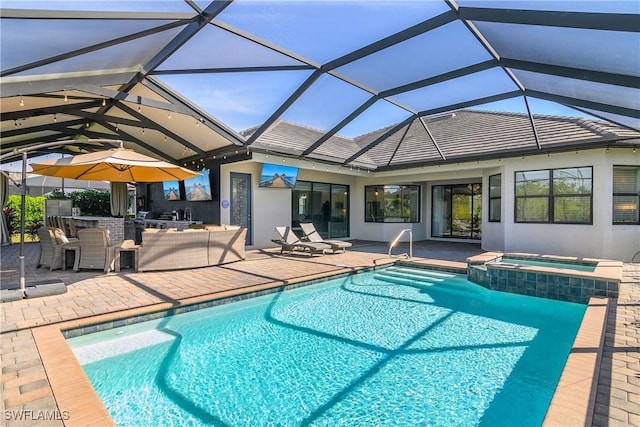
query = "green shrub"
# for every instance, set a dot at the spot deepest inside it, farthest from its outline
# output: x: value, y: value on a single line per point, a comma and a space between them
x: 92, y: 202
x: 33, y: 213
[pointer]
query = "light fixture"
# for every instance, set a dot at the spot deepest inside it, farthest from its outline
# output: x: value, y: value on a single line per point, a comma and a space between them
x: 139, y: 108
x: 65, y: 96
x: 197, y: 122
x: 116, y: 127
x: 21, y: 101
x: 55, y: 119
x: 104, y: 102
x: 142, y: 130
x: 169, y: 116
x: 626, y: 207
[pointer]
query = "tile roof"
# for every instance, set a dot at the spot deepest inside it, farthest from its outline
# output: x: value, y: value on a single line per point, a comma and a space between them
x: 463, y: 135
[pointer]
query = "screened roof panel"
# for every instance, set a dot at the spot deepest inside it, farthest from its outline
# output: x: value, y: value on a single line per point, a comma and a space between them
x: 598, y: 50
x: 515, y: 104
x: 323, y: 31
x: 223, y: 50
x: 616, y: 118
x: 240, y: 100
x: 543, y: 107
x: 97, y: 5
x: 608, y: 6
x: 581, y: 89
x: 325, y: 103
x: 17, y: 33
x: 348, y: 77
x: 132, y: 54
x: 379, y: 115
x: 435, y: 52
x: 462, y: 89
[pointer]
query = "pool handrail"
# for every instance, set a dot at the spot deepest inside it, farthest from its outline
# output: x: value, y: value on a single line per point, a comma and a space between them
x: 395, y: 241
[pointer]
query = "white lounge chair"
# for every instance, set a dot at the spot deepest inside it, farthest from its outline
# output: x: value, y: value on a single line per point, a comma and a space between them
x: 290, y: 242
x: 311, y: 234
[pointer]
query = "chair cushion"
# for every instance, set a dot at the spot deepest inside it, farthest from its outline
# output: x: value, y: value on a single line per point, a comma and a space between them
x: 60, y: 237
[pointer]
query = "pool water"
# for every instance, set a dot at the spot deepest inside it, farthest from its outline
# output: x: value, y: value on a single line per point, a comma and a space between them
x: 548, y: 263
x: 359, y: 350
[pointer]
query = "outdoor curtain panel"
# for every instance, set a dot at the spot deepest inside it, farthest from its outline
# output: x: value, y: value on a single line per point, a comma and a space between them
x: 119, y: 199
x: 4, y: 195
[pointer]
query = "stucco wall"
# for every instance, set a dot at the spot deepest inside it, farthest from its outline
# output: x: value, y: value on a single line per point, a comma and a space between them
x: 272, y: 207
x: 599, y: 240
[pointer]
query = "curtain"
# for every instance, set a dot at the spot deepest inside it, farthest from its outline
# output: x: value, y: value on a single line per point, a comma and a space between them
x: 4, y: 195
x: 119, y: 199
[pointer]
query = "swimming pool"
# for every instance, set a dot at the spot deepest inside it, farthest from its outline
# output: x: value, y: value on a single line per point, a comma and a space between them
x: 395, y: 346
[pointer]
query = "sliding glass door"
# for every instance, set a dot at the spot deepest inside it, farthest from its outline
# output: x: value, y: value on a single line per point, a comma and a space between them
x: 324, y: 205
x: 457, y: 211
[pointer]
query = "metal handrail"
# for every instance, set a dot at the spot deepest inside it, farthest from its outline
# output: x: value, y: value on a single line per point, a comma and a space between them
x: 395, y: 241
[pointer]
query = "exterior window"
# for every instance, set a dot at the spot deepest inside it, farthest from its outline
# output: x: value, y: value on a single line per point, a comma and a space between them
x: 495, y: 198
x: 626, y: 194
x: 392, y: 203
x: 559, y: 196
x: 325, y: 205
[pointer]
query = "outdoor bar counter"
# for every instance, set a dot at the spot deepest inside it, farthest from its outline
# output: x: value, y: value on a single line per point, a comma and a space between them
x: 113, y: 224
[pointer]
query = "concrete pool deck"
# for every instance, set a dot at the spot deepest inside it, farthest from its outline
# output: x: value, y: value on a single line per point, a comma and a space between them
x: 32, y: 359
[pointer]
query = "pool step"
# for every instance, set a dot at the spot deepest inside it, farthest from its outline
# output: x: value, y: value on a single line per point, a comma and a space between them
x: 434, y: 280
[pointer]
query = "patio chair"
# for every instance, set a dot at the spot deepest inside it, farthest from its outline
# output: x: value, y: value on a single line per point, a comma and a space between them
x: 50, y: 249
x: 290, y: 242
x: 73, y: 231
x: 312, y: 235
x: 96, y: 250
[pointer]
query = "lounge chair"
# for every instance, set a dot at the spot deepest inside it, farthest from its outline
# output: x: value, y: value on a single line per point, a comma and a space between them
x: 312, y: 235
x: 290, y: 242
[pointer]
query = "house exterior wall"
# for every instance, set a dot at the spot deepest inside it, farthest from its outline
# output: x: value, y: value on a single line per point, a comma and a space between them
x: 601, y: 239
x: 272, y: 207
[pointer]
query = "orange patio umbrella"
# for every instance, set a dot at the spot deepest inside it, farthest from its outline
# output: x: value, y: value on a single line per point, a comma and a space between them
x: 114, y: 165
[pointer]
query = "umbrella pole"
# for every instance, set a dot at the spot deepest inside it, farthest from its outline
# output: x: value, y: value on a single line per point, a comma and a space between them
x: 23, y: 285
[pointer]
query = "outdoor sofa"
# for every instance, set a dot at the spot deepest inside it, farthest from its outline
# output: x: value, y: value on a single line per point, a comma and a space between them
x: 172, y: 250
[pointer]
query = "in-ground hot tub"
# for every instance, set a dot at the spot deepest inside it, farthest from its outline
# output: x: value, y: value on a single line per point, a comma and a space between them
x: 562, y: 278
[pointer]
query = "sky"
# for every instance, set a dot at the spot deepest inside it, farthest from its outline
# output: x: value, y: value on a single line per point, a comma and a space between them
x: 319, y: 32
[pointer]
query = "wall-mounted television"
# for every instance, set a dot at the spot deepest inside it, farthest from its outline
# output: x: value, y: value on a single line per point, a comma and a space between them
x: 278, y: 176
x: 171, y: 190
x: 199, y: 188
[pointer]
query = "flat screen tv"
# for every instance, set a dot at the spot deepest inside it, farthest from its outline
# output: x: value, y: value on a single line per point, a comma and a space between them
x: 171, y: 190
x: 199, y: 188
x: 278, y: 176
